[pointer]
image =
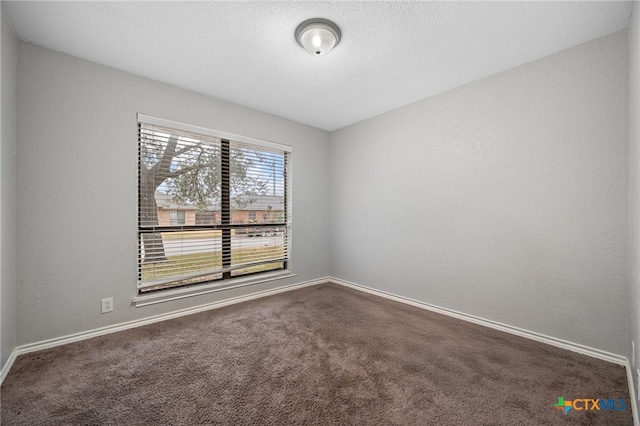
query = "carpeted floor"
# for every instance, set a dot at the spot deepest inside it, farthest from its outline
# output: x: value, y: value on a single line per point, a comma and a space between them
x: 319, y: 355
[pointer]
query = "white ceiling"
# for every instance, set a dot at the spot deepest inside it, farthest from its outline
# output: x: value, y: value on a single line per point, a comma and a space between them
x: 391, y: 53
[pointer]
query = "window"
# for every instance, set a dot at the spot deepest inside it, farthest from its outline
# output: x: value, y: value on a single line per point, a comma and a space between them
x: 177, y: 217
x: 194, y: 186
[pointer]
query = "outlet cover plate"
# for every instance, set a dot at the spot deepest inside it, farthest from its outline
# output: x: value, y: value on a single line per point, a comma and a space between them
x: 107, y: 305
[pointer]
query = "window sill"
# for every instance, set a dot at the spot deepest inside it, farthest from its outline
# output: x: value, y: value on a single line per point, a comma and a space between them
x: 181, y: 293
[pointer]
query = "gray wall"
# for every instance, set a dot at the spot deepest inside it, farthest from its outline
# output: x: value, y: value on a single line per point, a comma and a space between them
x: 634, y: 186
x: 77, y: 177
x: 505, y: 199
x: 9, y: 50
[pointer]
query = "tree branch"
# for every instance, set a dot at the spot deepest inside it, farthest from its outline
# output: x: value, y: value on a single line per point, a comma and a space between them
x: 167, y: 156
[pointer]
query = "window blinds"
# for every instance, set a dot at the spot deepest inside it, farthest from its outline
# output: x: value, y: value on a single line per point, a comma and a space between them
x: 211, y: 206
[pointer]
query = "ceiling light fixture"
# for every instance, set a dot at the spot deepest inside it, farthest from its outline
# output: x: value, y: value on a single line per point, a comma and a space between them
x: 318, y: 36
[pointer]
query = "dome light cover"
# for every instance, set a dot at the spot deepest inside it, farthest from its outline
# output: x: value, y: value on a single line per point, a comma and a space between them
x: 318, y: 36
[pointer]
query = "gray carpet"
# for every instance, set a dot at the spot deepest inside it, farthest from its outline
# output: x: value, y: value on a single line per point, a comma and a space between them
x: 319, y: 355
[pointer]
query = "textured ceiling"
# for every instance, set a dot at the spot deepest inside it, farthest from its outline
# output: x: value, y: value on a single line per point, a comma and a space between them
x: 391, y: 53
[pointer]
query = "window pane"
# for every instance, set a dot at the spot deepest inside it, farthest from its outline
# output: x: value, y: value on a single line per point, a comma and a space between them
x: 180, y: 173
x: 246, y: 249
x: 184, y: 257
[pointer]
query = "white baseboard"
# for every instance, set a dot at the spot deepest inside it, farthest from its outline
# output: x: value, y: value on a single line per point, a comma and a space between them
x: 632, y: 395
x: 76, y: 337
x: 575, y: 347
x: 7, y: 365
x: 50, y: 343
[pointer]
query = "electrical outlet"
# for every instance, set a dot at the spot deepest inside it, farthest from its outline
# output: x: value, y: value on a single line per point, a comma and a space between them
x: 107, y: 305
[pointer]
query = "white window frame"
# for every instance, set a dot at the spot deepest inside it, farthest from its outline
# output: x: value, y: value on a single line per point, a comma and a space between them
x: 241, y: 281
